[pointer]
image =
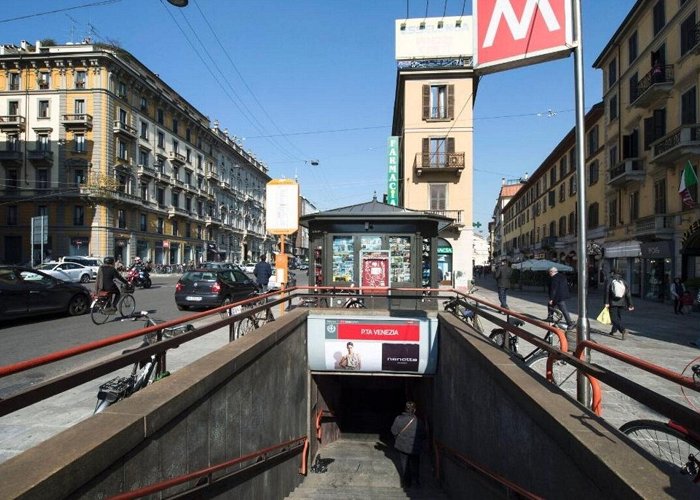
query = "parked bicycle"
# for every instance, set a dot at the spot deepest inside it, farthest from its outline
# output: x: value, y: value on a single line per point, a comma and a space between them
x: 144, y: 372
x: 677, y: 447
x: 347, y: 299
x: 465, y: 310
x: 254, y: 321
x: 101, y: 309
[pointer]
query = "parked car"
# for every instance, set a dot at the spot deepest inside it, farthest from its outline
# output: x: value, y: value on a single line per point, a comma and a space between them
x: 304, y: 266
x: 249, y: 267
x: 67, y: 271
x: 205, y: 288
x: 93, y: 263
x: 27, y: 292
x: 273, y: 285
x: 219, y: 265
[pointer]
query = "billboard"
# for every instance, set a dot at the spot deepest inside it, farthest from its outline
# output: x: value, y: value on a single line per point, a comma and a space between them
x: 514, y: 33
x: 282, y: 206
x: 434, y: 38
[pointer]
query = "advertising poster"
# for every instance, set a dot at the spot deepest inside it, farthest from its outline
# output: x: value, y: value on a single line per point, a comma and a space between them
x: 374, y: 269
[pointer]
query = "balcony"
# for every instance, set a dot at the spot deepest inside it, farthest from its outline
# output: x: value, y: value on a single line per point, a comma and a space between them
x: 682, y: 143
x: 123, y: 161
x: 212, y: 175
x: 653, y: 87
x: 40, y: 157
x: 146, y: 171
x: 211, y: 220
x: 11, y: 157
x: 162, y: 177
x: 173, y: 211
x: 439, y: 163
x: 176, y: 158
x: 628, y: 171
x: 225, y: 184
x: 696, y: 39
x: 456, y: 215
x: 654, y: 227
x: 124, y: 129
x: 77, y: 122
x: 12, y: 123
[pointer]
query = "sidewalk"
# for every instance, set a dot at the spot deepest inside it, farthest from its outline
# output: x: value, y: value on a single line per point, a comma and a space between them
x: 655, y: 334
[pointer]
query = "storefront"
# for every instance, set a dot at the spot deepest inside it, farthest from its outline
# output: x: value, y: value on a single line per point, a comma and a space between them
x: 625, y: 258
x: 79, y: 245
x: 657, y: 264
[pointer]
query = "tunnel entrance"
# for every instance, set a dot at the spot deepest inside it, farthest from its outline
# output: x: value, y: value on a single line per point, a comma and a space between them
x: 368, y: 404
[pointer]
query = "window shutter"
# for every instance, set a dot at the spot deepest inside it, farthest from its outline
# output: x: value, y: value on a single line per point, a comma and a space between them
x: 450, y: 144
x: 426, y: 152
x: 451, y: 102
x: 426, y: 103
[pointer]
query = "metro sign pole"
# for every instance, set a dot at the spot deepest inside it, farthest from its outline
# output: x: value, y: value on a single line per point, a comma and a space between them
x: 513, y: 33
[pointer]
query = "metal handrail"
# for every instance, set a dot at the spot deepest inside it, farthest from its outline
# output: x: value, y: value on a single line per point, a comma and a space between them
x: 300, y: 442
x: 319, y: 416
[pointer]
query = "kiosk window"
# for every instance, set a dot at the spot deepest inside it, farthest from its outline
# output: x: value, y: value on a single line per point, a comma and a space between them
x: 400, y: 248
x: 343, y: 259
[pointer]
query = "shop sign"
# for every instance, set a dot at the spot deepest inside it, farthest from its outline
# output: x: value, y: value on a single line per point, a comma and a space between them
x: 657, y: 250
x: 166, y: 244
x: 444, y: 250
x: 393, y: 171
x: 78, y: 242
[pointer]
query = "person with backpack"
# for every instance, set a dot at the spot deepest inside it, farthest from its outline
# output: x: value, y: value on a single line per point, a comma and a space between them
x: 616, y: 297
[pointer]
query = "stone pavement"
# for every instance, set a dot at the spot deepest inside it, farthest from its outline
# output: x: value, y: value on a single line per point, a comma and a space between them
x: 655, y: 334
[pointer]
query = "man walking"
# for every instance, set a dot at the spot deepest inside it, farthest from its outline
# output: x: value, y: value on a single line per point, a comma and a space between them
x: 503, y: 274
x: 409, y: 433
x: 262, y: 273
x: 616, y: 297
x: 558, y: 294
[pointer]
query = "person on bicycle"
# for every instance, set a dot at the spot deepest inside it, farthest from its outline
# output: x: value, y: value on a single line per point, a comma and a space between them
x: 106, y: 276
x: 262, y: 273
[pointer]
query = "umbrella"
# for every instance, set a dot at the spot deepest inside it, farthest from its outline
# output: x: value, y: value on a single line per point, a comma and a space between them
x: 541, y: 265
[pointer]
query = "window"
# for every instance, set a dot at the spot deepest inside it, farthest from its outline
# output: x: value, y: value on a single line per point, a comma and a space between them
x: 78, y: 215
x: 159, y: 116
x: 572, y: 223
x: 144, y: 104
x: 689, y: 107
x: 144, y: 191
x: 44, y: 80
x: 188, y: 230
x: 436, y: 150
x: 79, y: 143
x: 13, y: 108
x: 143, y: 222
x: 562, y: 225
x: 438, y: 102
x: 633, y: 87
x: 43, y: 142
x: 123, y: 150
x: 438, y: 196
x: 79, y: 176
x: 80, y: 79
x: 659, y: 14
x: 175, y: 126
x: 160, y: 225
x: 188, y: 155
x: 176, y: 173
x: 688, y: 40
x: 188, y: 178
x: 176, y: 228
x: 553, y: 229
x: 12, y: 215
x: 12, y: 142
x: 634, y: 206
x: 592, y: 215
x: 79, y: 106
x: 612, y: 73
x: 175, y: 199
x: 552, y: 198
x: 199, y: 162
x: 562, y: 192
x: 572, y: 185
x: 630, y: 145
x: 612, y: 108
x: 632, y: 47
x: 42, y: 178
x: 552, y: 176
x: 43, y: 109
x: 161, y: 139
x: 160, y: 196
x: 593, y: 140
x: 612, y: 213
x: 15, y: 81
x: 593, y: 173
x: 121, y: 89
x: 176, y: 146
x: 188, y: 204
x: 144, y: 130
x: 612, y: 156
x: 660, y: 196
x: 143, y: 158
x: 562, y: 167
x: 188, y: 135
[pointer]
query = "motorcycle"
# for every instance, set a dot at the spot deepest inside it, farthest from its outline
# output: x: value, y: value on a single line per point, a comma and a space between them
x: 139, y: 277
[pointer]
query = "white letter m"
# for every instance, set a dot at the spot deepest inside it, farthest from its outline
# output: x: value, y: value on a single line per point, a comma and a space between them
x: 519, y: 28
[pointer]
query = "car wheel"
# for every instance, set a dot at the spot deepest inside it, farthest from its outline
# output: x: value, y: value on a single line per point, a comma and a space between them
x: 78, y: 305
x: 182, y: 308
x: 85, y: 278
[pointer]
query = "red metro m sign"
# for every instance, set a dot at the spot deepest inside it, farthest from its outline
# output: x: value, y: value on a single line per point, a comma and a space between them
x: 513, y: 33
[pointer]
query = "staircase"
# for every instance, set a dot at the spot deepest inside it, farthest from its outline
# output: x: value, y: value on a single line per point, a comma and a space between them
x: 363, y: 468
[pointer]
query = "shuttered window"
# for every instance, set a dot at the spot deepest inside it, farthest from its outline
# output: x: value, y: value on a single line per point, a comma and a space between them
x: 438, y: 102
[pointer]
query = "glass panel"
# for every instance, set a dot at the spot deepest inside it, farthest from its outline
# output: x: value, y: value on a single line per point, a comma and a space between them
x: 400, y: 248
x: 343, y: 259
x: 371, y: 243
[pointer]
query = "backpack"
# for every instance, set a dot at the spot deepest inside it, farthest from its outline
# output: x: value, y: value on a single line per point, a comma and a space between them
x: 617, y: 287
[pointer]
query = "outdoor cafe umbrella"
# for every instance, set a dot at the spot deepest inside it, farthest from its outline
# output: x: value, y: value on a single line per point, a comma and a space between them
x: 542, y: 265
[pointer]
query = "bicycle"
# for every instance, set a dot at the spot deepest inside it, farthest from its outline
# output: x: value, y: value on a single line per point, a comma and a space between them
x: 464, y: 310
x: 101, y: 309
x: 143, y: 372
x: 351, y: 300
x: 675, y: 446
x: 254, y: 321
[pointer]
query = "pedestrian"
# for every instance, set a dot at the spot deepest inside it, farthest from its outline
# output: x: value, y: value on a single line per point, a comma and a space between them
x: 677, y: 290
x: 262, y: 273
x: 558, y: 294
x: 503, y: 274
x: 409, y: 433
x: 106, y: 276
x: 616, y: 297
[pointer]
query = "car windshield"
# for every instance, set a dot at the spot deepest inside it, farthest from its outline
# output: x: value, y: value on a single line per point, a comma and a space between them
x: 45, y: 267
x: 193, y: 276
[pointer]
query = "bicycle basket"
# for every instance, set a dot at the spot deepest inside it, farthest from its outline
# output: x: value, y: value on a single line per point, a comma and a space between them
x: 115, y: 389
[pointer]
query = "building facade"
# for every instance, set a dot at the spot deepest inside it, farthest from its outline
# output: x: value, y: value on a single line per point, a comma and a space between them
x: 433, y: 119
x: 119, y: 163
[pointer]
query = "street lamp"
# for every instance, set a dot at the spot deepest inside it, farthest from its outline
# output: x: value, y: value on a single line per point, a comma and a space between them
x: 178, y: 3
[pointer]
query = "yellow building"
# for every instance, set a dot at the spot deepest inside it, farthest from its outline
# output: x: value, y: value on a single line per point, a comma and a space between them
x: 433, y: 119
x: 119, y: 163
x: 650, y: 89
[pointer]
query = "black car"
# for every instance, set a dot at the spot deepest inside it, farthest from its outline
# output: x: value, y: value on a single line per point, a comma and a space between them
x: 204, y: 288
x: 28, y: 292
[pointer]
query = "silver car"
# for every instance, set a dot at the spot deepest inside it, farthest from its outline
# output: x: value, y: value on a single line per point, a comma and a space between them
x: 67, y: 271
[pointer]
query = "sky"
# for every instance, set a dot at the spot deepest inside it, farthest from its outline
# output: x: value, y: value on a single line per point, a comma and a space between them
x: 308, y: 86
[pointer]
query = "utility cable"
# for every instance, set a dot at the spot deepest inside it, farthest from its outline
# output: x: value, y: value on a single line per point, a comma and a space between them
x: 38, y: 14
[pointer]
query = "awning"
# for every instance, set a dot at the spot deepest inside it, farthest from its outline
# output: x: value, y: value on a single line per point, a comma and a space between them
x: 629, y: 248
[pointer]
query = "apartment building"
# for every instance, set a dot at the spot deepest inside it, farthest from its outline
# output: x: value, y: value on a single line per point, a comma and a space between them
x: 433, y: 118
x: 119, y: 162
x: 650, y: 133
x: 509, y: 188
x: 539, y: 219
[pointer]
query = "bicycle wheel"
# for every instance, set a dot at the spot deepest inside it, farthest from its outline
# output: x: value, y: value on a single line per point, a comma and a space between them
x: 245, y: 326
x: 669, y: 445
x: 127, y: 305
x: 98, y: 312
x: 563, y: 374
x: 498, y: 336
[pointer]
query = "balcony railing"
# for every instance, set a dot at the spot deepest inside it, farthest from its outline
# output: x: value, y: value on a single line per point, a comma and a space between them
x: 439, y: 162
x: 176, y: 158
x: 12, y: 123
x: 10, y: 156
x: 77, y: 121
x: 678, y: 144
x: 629, y: 170
x: 656, y: 225
x: 655, y: 85
x: 125, y: 129
x: 146, y: 171
x: 41, y: 156
x: 452, y: 214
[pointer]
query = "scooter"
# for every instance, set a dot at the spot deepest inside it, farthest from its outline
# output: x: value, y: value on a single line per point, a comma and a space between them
x: 139, y: 277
